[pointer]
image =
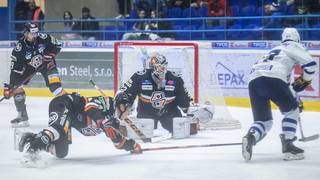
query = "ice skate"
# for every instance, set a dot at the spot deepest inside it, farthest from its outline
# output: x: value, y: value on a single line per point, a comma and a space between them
x: 290, y: 151
x: 21, y: 138
x: 247, y: 142
x: 32, y: 158
x: 21, y: 120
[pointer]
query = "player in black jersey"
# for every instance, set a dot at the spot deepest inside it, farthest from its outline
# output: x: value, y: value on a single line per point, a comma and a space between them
x: 34, y: 52
x: 90, y: 116
x: 160, y: 93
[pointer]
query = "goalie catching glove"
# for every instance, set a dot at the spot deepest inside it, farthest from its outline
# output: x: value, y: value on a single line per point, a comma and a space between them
x: 300, y: 84
x: 7, y: 93
x: 204, y: 113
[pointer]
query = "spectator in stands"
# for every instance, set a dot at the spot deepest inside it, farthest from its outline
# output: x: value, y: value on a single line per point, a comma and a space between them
x: 139, y: 25
x: 20, y: 11
x: 35, y: 13
x: 88, y: 25
x: 160, y: 25
x: 124, y: 8
x: 178, y: 3
x: 68, y: 26
x: 147, y: 6
x: 219, y: 8
x: 274, y: 22
x: 200, y: 3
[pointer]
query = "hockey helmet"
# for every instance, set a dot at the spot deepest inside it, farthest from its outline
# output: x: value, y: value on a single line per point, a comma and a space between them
x: 123, y: 98
x: 290, y: 34
x: 159, y: 65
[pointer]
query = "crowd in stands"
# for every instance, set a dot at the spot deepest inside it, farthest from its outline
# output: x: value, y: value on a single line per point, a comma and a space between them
x: 196, y: 9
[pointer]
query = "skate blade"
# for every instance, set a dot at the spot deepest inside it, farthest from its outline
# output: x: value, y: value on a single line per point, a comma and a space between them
x: 20, y: 124
x: 17, y: 137
x: 245, y: 153
x: 290, y: 156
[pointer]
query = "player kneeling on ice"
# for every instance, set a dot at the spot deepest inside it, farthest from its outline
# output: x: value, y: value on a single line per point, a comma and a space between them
x: 268, y: 81
x: 161, y: 93
x: 90, y: 116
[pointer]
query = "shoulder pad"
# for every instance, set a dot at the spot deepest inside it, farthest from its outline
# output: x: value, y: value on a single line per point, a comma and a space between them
x: 141, y: 72
x: 175, y: 73
x: 43, y: 36
x: 18, y: 47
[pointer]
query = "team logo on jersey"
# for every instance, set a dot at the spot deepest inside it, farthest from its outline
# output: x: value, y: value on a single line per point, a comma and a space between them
x: 36, y: 61
x: 43, y: 36
x: 18, y: 47
x: 158, y: 100
x: 176, y: 73
x: 28, y: 55
x: 79, y: 117
x: 53, y: 117
x: 141, y: 72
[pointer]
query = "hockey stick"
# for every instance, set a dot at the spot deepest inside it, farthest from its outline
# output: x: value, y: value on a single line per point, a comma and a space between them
x: 303, y: 138
x: 134, y: 127
x: 24, y: 81
x: 189, y: 146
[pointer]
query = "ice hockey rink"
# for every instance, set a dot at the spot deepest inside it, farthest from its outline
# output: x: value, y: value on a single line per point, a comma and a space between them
x: 97, y: 158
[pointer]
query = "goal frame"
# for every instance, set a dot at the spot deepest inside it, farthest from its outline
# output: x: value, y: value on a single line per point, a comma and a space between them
x: 196, y: 60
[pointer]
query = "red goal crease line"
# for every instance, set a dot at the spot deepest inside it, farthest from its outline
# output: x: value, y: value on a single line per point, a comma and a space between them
x: 196, y: 60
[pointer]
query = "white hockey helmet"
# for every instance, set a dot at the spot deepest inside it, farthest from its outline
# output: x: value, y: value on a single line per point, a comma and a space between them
x: 290, y: 34
x: 159, y: 65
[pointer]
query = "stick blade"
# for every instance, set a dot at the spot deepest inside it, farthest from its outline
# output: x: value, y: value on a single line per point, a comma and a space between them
x: 310, y: 138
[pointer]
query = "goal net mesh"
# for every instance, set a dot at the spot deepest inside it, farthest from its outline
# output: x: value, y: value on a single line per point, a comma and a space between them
x: 193, y: 61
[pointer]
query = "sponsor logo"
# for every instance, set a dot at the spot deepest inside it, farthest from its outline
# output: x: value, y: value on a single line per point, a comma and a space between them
x: 272, y: 44
x: 220, y: 44
x: 28, y: 55
x: 237, y: 44
x: 18, y: 97
x: 304, y: 43
x: 144, y: 82
x: 146, y: 87
x: 257, y: 44
x: 169, y: 88
x: 313, y: 45
x: 89, y: 44
x: 72, y: 44
x: 171, y: 83
x: 5, y: 44
x: 13, y: 44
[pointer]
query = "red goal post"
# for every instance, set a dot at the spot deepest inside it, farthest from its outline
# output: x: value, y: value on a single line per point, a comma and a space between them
x: 193, y: 60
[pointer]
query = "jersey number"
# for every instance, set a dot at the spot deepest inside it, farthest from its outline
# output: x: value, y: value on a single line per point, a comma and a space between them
x: 271, y: 54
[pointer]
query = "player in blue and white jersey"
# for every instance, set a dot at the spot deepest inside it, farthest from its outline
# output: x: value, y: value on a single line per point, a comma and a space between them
x: 269, y: 81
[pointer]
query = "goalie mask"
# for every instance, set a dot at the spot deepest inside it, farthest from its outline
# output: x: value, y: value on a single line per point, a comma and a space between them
x: 290, y: 34
x: 159, y: 65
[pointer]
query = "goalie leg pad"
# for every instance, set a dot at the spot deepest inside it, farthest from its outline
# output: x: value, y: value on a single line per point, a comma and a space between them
x: 181, y: 127
x: 144, y: 124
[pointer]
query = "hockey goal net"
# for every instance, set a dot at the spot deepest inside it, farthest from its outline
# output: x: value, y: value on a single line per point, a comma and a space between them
x: 193, y: 61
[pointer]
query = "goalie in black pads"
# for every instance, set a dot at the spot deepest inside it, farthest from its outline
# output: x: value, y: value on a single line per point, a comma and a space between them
x: 161, y: 93
x: 90, y: 116
x: 34, y: 52
x: 268, y: 81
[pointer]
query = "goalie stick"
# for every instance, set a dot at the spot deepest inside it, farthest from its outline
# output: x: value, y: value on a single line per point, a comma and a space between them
x: 189, y: 146
x: 303, y: 138
x: 24, y: 81
x: 134, y: 127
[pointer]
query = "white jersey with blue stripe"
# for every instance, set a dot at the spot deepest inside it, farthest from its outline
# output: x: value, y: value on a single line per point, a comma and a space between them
x: 280, y: 61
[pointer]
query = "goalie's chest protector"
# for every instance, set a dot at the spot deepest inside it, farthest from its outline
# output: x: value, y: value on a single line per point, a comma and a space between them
x: 153, y: 97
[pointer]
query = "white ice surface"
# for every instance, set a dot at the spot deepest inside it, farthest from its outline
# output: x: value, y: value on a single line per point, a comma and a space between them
x: 96, y: 158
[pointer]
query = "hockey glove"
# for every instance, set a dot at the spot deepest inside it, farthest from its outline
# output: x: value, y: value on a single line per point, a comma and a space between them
x: 7, y: 91
x: 133, y: 147
x: 300, y: 84
x: 110, y: 127
x: 49, y: 61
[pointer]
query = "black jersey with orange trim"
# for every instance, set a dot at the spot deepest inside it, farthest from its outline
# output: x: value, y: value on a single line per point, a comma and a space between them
x: 157, y: 101
x: 24, y: 54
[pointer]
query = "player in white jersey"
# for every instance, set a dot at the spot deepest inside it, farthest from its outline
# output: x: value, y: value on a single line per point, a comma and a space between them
x: 268, y: 81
